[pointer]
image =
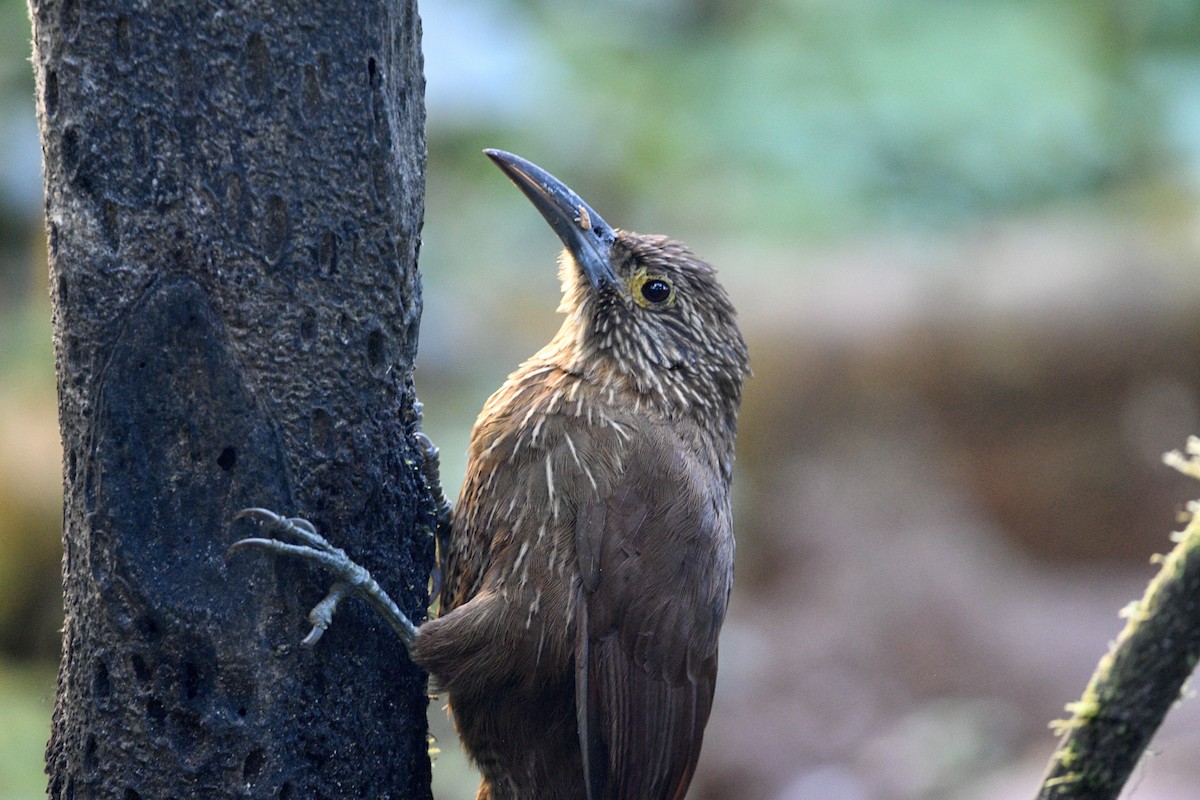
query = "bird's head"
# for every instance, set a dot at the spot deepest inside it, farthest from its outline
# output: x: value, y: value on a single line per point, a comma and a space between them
x: 643, y: 311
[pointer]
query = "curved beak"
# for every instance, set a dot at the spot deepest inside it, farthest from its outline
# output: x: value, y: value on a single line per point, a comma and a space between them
x: 586, y: 235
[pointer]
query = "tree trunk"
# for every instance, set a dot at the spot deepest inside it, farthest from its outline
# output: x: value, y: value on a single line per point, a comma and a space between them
x: 234, y: 202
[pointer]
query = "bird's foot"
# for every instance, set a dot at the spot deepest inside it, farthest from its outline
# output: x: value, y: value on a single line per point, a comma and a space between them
x: 431, y: 469
x: 350, y: 578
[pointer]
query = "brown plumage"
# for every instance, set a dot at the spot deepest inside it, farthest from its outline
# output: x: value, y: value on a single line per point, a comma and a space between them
x: 591, y: 549
x: 588, y: 561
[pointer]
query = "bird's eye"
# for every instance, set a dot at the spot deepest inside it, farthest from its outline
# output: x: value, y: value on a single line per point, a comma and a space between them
x: 656, y: 290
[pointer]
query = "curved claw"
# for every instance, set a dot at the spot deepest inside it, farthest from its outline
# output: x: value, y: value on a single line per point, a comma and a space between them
x: 297, y: 526
x: 273, y: 520
x: 321, y: 615
x: 428, y: 448
x: 250, y: 542
x: 260, y: 514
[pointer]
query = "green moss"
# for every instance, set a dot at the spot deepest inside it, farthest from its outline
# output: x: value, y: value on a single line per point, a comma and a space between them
x: 1062, y: 780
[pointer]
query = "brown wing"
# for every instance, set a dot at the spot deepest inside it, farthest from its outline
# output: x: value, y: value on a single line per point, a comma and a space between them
x: 656, y: 561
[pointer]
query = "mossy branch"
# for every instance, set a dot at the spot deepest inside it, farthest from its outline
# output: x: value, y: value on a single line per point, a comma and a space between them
x: 1141, y: 676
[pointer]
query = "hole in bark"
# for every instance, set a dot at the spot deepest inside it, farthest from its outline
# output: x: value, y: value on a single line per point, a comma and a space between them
x: 101, y: 683
x: 285, y: 791
x: 89, y: 753
x: 308, y: 325
x: 327, y: 253
x: 131, y: 794
x: 141, y: 670
x: 257, y: 77
x: 191, y: 681
x: 253, y: 764
x: 322, y: 431
x: 379, y: 123
x: 141, y: 146
x: 70, y: 150
x: 227, y: 459
x: 50, y: 93
x: 276, y: 229
x: 148, y: 628
x: 155, y: 711
x: 124, y: 40
x: 377, y: 351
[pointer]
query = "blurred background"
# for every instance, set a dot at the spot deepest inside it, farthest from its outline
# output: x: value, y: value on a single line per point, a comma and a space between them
x: 964, y: 239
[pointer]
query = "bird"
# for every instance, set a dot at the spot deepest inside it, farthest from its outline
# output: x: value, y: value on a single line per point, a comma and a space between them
x: 586, y: 566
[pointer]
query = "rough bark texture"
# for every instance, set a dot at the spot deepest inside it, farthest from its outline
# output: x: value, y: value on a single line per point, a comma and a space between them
x: 234, y: 200
x: 1140, y: 678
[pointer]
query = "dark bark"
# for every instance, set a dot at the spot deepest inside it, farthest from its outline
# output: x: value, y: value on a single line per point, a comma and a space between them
x: 1140, y: 678
x: 234, y: 200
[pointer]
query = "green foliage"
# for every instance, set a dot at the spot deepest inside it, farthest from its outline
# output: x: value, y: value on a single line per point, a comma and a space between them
x: 820, y: 119
x: 26, y: 698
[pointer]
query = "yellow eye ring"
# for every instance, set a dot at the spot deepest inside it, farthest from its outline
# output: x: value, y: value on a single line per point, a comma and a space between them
x: 652, y: 291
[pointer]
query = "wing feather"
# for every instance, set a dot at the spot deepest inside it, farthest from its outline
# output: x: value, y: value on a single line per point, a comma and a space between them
x: 655, y: 559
